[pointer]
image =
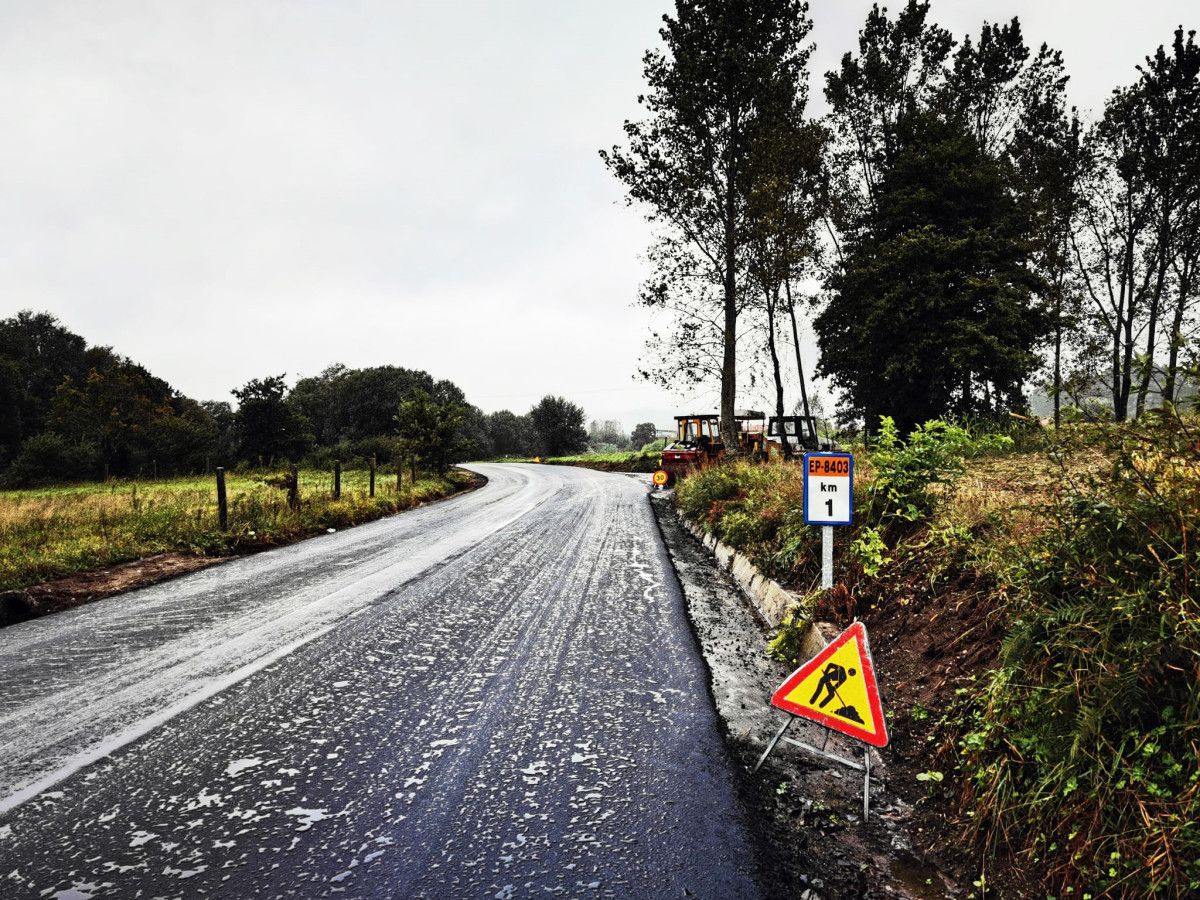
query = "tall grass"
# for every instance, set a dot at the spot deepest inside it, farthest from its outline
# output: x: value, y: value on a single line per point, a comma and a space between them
x: 53, y: 532
x: 1086, y: 755
x: 636, y: 461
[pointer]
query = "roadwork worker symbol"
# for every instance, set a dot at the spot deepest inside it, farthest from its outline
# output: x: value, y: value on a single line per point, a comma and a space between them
x: 834, y: 676
x: 837, y: 688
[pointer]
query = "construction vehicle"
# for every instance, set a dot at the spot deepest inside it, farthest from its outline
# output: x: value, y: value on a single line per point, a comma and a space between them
x: 697, y: 442
x: 801, y: 432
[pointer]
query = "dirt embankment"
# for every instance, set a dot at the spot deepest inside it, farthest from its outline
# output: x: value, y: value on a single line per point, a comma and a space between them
x: 807, y: 813
x: 75, y: 590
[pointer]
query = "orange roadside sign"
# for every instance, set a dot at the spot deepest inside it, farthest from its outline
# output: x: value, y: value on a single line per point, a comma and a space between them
x: 660, y: 477
x: 837, y: 689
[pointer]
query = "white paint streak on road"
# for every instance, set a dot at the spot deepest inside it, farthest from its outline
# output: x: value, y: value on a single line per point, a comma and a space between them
x: 530, y: 719
x: 80, y: 684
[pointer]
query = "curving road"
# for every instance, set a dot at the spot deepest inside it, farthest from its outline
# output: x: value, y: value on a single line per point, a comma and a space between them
x: 493, y: 696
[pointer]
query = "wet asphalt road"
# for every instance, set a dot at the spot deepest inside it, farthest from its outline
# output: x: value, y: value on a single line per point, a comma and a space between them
x: 495, y: 696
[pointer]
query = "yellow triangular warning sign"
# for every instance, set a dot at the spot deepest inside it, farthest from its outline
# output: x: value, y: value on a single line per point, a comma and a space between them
x: 837, y: 689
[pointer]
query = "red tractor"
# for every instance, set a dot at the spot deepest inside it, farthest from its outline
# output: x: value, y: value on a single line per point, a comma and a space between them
x: 697, y: 443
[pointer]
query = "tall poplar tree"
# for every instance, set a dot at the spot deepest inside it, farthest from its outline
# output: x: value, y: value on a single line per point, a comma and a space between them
x: 687, y: 163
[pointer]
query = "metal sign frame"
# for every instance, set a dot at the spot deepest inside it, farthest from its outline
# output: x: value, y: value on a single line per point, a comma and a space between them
x: 856, y: 631
x: 864, y: 766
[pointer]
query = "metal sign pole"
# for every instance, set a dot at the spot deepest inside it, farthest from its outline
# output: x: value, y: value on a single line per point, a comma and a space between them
x: 866, y: 783
x: 826, y: 557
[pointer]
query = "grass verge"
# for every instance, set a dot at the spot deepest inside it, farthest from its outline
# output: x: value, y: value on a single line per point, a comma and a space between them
x: 637, y: 461
x: 54, y: 532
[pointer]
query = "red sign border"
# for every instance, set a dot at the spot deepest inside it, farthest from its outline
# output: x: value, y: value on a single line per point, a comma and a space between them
x: 857, y: 630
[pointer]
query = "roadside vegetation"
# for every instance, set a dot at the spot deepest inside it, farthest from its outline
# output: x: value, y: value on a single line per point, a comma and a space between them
x: 74, y: 412
x: 105, y: 463
x: 646, y: 459
x: 49, y: 533
x: 1036, y: 629
x: 639, y: 461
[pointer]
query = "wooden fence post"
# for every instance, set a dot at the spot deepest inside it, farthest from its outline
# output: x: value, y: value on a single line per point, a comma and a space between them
x: 372, y: 475
x: 294, y: 489
x: 222, y: 500
x: 337, y: 480
x: 399, y: 475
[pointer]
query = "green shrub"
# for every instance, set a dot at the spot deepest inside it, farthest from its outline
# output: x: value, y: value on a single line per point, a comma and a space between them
x: 741, y: 528
x: 870, y: 551
x: 1085, y: 756
x: 787, y: 645
x: 696, y: 494
x: 907, y: 470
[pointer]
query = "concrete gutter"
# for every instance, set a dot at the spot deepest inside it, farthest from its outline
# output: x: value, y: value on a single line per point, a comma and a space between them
x: 772, y: 601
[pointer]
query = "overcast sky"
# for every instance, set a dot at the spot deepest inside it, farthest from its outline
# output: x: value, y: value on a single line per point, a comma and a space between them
x: 226, y: 190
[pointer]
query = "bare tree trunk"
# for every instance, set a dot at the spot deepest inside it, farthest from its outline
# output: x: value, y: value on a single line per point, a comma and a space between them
x: 1155, y: 305
x: 729, y: 427
x: 773, y: 304
x: 787, y: 284
x: 1123, y: 356
x: 1057, y: 374
x: 1185, y: 289
x: 1168, y: 393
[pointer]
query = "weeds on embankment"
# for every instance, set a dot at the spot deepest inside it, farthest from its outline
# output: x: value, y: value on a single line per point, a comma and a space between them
x: 1062, y: 587
x: 611, y: 462
x: 53, y: 532
x: 1085, y: 753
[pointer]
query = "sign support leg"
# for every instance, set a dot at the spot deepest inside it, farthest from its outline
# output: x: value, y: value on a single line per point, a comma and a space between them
x: 826, y: 557
x: 866, y: 783
x: 771, y: 746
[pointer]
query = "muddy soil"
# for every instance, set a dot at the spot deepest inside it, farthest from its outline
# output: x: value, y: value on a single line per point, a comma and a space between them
x: 806, y: 813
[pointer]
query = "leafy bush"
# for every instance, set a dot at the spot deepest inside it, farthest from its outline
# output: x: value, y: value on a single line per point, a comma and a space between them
x: 787, y: 645
x: 755, y: 508
x: 1088, y: 740
x: 696, y: 494
x: 871, y: 552
x: 741, y: 528
x: 910, y: 472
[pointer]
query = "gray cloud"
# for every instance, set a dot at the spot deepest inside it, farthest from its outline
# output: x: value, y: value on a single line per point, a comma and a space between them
x: 223, y: 190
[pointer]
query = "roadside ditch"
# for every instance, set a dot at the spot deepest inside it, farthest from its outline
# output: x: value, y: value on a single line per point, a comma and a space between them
x: 805, y: 814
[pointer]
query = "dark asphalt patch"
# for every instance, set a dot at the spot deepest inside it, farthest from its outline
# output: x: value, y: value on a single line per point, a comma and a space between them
x: 805, y: 817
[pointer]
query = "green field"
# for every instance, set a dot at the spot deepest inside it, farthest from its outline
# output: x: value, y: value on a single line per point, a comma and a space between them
x: 47, y: 533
